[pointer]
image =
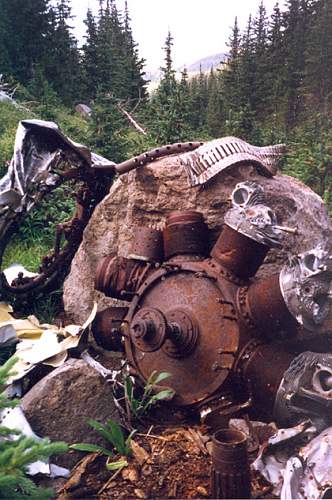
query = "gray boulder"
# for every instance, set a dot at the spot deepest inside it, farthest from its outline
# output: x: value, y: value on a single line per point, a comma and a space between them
x: 59, y: 405
x: 147, y: 195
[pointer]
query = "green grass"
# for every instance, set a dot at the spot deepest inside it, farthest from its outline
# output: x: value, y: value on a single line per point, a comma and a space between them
x: 27, y: 253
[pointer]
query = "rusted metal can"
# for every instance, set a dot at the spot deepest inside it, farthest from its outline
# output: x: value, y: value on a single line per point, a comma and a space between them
x: 239, y: 254
x: 268, y: 311
x: 119, y: 277
x: 185, y: 233
x: 147, y: 244
x: 230, y: 474
x: 106, y: 328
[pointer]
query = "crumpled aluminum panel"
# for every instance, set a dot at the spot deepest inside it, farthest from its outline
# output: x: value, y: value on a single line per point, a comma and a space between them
x: 298, y: 462
x: 213, y: 157
x: 38, y: 147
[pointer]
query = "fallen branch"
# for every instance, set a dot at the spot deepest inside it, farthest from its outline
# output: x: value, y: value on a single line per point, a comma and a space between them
x: 131, y: 119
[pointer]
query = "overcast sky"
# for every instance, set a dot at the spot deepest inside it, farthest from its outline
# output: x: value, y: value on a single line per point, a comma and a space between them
x: 199, y: 27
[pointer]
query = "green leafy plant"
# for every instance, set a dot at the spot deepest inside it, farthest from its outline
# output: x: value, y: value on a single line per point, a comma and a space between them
x: 139, y: 406
x: 17, y: 451
x: 112, y: 432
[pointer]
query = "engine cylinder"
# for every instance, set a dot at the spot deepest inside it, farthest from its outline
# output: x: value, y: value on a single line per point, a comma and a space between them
x: 185, y: 233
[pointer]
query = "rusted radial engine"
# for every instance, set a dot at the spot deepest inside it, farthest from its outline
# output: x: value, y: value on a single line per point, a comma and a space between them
x: 196, y: 314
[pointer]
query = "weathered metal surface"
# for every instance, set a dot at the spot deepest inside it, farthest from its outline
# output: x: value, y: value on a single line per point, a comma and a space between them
x: 43, y: 160
x: 120, y: 277
x: 204, y: 364
x: 210, y: 159
x: 202, y: 320
x: 306, y: 389
x: 185, y: 233
x: 306, y: 287
x: 154, y: 154
x: 263, y: 309
x: 230, y: 473
x: 238, y: 254
x: 106, y: 328
x: 147, y: 244
x: 251, y: 216
x: 264, y: 366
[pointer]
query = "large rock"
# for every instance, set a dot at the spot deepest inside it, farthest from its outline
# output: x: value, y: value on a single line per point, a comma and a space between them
x: 147, y: 195
x: 59, y: 405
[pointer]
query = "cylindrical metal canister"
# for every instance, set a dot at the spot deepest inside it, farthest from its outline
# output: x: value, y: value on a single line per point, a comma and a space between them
x: 119, y: 277
x: 238, y: 254
x: 147, y: 244
x: 106, y: 328
x: 263, y: 309
x: 263, y: 368
x: 230, y: 474
x: 185, y: 233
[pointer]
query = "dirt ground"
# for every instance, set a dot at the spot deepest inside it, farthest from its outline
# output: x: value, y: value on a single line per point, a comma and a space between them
x: 168, y: 463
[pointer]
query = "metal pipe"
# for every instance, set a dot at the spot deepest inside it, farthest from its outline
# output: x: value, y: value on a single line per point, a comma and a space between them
x: 230, y: 474
x: 263, y: 309
x: 239, y: 254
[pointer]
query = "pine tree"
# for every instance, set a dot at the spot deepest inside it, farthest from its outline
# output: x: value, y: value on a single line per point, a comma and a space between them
x: 109, y: 69
x: 135, y: 64
x: 184, y: 107
x: 296, y: 29
x: 23, y: 32
x: 276, y: 58
x: 198, y: 86
x: 260, y: 90
x: 42, y: 91
x: 106, y: 134
x: 91, y: 60
x: 166, y: 125
x: 318, y: 70
x: 231, y: 79
x: 247, y: 83
x: 214, y: 118
x: 63, y: 64
x: 18, y: 451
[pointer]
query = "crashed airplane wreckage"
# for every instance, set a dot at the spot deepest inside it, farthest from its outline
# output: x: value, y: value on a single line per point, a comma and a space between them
x: 198, y: 315
x: 194, y: 311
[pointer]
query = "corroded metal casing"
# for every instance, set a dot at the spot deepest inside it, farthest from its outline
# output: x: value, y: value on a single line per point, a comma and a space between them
x: 230, y: 474
x: 106, y: 328
x: 147, y: 244
x: 263, y: 366
x: 185, y: 233
x: 263, y: 309
x: 240, y: 255
x: 119, y: 277
x: 182, y: 322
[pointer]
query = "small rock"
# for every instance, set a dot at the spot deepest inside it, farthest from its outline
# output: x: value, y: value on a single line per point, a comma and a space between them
x: 202, y: 491
x: 130, y: 474
x: 59, y: 405
x: 146, y: 470
x: 139, y: 453
x: 140, y: 493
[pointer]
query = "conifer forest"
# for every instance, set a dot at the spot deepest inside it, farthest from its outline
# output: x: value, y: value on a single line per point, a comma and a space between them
x: 272, y: 87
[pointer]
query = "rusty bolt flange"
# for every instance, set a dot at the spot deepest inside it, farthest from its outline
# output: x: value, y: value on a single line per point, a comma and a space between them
x: 106, y: 328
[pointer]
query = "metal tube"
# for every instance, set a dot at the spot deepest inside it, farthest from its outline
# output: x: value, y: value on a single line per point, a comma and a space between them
x: 230, y: 474
x: 263, y: 304
x: 239, y: 254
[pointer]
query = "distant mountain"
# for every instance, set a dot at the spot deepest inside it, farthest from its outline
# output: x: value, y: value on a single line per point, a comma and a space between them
x: 206, y: 63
